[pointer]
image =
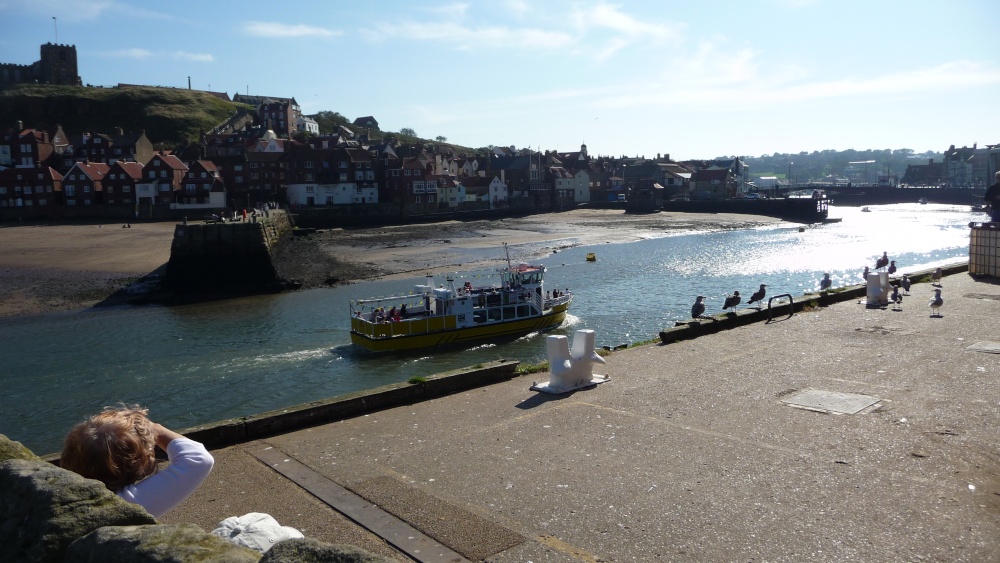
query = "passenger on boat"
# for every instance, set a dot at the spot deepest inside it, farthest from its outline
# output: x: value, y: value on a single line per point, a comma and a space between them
x: 392, y: 313
x: 402, y: 311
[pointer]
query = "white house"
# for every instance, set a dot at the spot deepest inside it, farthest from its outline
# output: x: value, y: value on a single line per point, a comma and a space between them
x: 307, y: 125
x: 498, y: 193
x: 581, y: 186
x: 308, y: 194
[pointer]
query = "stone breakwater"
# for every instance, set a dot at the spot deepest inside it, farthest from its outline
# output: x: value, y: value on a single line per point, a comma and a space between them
x: 226, y: 258
x: 49, y: 514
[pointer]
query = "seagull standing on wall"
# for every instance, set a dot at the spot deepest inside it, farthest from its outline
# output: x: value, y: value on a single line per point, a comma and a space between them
x: 731, y: 301
x: 892, y: 267
x: 864, y: 275
x: 758, y: 296
x: 935, y: 303
x: 906, y: 284
x: 936, y: 277
x: 825, y: 283
x: 896, y: 298
x: 882, y: 262
x: 698, y: 309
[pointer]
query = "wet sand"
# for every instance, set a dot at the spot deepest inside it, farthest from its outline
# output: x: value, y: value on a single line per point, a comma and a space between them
x: 58, y: 267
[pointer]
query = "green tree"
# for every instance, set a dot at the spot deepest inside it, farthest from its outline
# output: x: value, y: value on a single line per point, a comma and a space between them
x: 329, y: 121
x: 441, y: 139
x: 408, y: 132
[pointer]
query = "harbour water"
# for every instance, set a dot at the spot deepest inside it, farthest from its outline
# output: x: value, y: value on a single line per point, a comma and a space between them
x: 201, y: 363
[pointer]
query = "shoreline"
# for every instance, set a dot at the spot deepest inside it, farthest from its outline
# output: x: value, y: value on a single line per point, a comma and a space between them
x: 54, y: 267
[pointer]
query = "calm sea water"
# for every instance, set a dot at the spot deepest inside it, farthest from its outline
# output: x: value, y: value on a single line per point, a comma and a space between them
x: 200, y: 363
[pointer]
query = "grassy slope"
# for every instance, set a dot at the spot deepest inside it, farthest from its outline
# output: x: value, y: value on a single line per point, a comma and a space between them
x: 169, y: 116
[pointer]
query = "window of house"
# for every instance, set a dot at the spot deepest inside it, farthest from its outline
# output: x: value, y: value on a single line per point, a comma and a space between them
x: 86, y: 188
x: 111, y: 189
x: 342, y: 164
x: 70, y: 202
x: 43, y: 202
x: 163, y: 173
x: 309, y: 177
x: 27, y: 190
x: 343, y: 176
x: 239, y: 179
x: 152, y: 174
x: 418, y: 199
x: 86, y: 202
x: 309, y: 164
x: 370, y: 175
x: 70, y: 191
x: 359, y: 175
x: 191, y: 188
x: 238, y: 168
x: 3, y: 191
x: 126, y: 189
x: 127, y: 201
x: 254, y: 175
x: 165, y: 187
x: 310, y: 189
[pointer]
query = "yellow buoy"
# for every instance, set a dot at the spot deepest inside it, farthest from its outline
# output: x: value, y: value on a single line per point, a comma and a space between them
x: 591, y: 257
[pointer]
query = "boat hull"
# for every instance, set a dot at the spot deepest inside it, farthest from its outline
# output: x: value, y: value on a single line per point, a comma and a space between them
x: 389, y: 341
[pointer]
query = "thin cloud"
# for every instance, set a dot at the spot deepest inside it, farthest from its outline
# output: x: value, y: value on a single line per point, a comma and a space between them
x: 271, y: 29
x: 599, y: 31
x: 194, y: 57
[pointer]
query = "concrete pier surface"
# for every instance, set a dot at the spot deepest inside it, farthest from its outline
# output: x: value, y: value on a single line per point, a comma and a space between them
x: 843, y: 433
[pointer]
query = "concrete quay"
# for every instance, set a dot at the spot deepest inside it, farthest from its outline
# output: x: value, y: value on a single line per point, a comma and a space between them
x: 692, y: 452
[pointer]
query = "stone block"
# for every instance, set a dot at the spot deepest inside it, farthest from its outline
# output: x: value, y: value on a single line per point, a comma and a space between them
x: 10, y: 449
x: 308, y: 550
x: 159, y: 543
x: 44, y: 508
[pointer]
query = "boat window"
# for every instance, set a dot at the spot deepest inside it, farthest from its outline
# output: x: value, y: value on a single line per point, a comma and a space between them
x: 508, y: 313
x: 494, y: 314
x: 479, y: 317
x: 524, y: 311
x: 461, y: 319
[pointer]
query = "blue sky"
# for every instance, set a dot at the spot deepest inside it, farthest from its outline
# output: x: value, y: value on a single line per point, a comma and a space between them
x: 692, y: 79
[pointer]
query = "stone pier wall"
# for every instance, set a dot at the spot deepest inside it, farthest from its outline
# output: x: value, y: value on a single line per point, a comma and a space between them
x: 226, y: 258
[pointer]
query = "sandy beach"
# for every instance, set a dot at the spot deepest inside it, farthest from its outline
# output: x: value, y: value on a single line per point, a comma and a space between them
x: 59, y: 267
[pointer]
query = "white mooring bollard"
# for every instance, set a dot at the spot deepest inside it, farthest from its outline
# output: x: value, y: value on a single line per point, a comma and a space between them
x: 568, y: 372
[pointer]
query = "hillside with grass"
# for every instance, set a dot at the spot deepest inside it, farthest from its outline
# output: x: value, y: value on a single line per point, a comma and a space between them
x: 169, y: 116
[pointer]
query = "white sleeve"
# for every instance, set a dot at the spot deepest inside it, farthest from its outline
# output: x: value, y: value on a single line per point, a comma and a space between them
x: 189, y: 464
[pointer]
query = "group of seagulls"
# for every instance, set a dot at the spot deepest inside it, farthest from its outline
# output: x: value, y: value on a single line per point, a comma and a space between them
x: 883, y: 263
x: 936, y: 301
x: 698, y: 309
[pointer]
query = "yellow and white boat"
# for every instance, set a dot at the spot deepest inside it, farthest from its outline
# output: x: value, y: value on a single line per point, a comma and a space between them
x: 450, y: 315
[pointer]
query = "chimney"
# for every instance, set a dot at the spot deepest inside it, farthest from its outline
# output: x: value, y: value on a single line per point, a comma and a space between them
x: 20, y: 126
x: 118, y: 131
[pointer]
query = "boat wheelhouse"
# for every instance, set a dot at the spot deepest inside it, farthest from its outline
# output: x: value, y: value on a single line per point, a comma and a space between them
x: 453, y: 315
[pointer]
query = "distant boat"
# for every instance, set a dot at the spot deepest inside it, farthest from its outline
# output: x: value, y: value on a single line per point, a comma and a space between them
x: 591, y: 257
x: 922, y: 201
x: 865, y: 209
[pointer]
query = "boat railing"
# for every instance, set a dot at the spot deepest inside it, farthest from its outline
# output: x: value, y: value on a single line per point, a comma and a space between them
x: 402, y: 327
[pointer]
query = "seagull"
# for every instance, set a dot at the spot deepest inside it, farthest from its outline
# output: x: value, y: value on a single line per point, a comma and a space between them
x: 892, y: 267
x: 731, y: 301
x: 757, y: 296
x: 882, y: 262
x: 935, y: 303
x: 897, y: 298
x: 936, y: 277
x: 864, y: 275
x: 825, y: 283
x: 906, y: 284
x: 698, y: 309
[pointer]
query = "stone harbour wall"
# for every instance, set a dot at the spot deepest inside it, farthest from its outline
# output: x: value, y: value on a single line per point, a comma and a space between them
x: 49, y: 514
x: 226, y: 258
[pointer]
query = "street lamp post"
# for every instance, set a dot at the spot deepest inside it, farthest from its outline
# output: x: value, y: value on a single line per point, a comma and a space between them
x: 790, y: 163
